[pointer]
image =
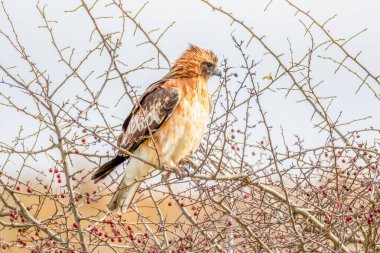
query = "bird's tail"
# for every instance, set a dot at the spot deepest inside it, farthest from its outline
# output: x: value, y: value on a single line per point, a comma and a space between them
x: 135, y: 172
x: 107, y: 168
x: 123, y: 197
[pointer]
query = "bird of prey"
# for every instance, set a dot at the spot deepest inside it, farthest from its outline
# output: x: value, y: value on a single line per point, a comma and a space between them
x: 165, y: 125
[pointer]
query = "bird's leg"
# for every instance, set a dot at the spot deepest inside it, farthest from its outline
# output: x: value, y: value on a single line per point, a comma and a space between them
x: 178, y: 171
x: 170, y: 170
x: 187, y: 163
x: 189, y: 159
x: 184, y: 168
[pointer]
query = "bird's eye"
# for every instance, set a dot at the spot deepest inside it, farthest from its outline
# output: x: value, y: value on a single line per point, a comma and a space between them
x: 208, y: 64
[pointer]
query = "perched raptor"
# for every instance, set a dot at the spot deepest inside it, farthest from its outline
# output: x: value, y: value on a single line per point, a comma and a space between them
x: 165, y: 125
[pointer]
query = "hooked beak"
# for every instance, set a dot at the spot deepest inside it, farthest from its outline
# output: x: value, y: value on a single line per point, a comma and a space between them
x: 217, y: 72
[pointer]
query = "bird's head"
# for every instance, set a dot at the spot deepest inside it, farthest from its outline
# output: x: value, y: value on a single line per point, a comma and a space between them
x: 195, y: 62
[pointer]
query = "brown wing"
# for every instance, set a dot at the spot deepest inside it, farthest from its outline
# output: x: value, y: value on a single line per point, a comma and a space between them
x: 153, y: 109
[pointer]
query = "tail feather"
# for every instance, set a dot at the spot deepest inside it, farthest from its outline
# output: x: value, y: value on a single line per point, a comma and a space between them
x: 135, y: 172
x: 107, y: 168
x: 122, y: 199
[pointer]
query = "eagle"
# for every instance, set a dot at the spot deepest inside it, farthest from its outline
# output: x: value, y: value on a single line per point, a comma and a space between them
x: 165, y: 126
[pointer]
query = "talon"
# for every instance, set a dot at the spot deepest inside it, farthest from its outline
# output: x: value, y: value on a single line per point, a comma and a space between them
x: 191, y: 163
x: 187, y: 171
x: 187, y: 163
x: 178, y: 172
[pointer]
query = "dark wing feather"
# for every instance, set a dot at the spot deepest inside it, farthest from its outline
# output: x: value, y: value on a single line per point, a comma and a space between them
x: 155, y: 107
x: 143, y: 97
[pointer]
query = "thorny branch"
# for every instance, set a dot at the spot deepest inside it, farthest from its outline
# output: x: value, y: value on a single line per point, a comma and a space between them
x: 249, y: 190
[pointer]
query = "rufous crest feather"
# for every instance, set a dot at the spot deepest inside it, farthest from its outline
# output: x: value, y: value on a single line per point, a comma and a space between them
x: 189, y: 63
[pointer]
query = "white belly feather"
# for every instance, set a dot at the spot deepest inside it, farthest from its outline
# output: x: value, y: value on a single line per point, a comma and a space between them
x: 186, y: 132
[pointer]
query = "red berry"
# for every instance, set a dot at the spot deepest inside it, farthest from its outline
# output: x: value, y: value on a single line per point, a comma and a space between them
x: 83, y: 140
x: 62, y: 196
x: 59, y: 181
x: 170, y: 203
x: 370, y: 218
x: 120, y: 239
x: 233, y: 147
x: 237, y: 149
x: 29, y: 190
x: 348, y: 218
x: 129, y: 228
x: 55, y: 170
x: 370, y: 189
x: 18, y: 188
x: 76, y: 151
x: 75, y: 225
x: 246, y: 196
x: 51, y: 170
